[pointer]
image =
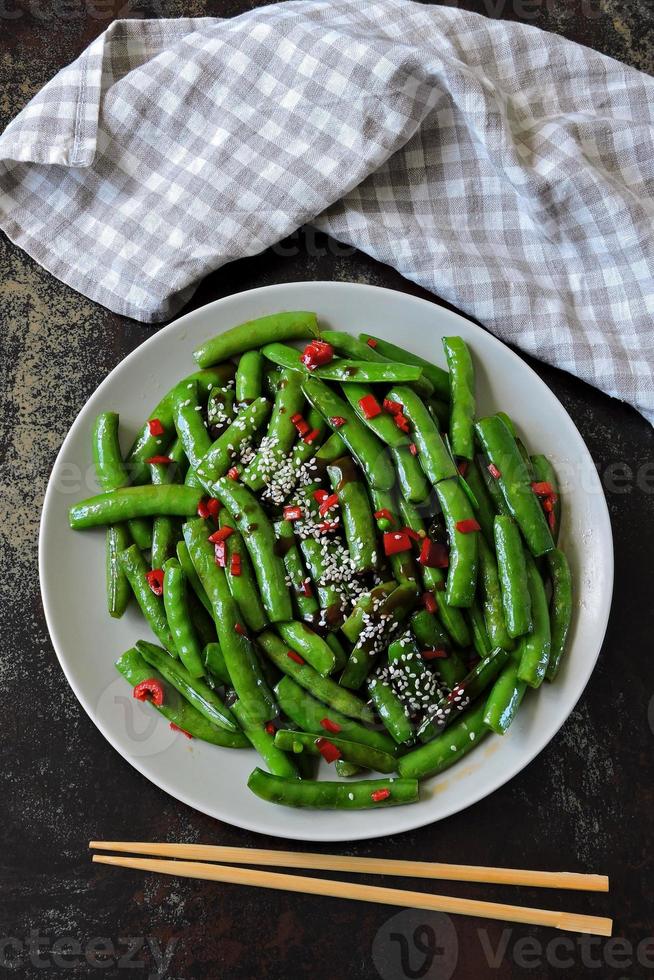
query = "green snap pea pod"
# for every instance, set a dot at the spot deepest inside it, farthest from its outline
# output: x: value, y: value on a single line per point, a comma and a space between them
x: 190, y: 426
x: 512, y: 567
x: 508, y: 421
x: 438, y: 377
x: 390, y: 612
x: 360, y: 755
x: 328, y: 795
x: 239, y: 653
x: 135, y: 568
x: 343, y: 369
x: 480, y: 639
x: 432, y: 451
x: 537, y: 644
x: 337, y: 648
x: 323, y: 688
x: 118, y: 588
x: 505, y: 697
x: 560, y: 608
x: 524, y: 505
x: 220, y: 408
x: 194, y: 690
x: 214, y: 663
x: 281, y: 433
x: 128, y: 502
x: 242, y: 580
x: 303, y: 451
x: 355, y: 513
x: 112, y: 474
x: 347, y: 345
x: 259, y: 536
x: 412, y: 681
x: 165, y: 530
x: 363, y: 444
x: 440, y: 412
x: 202, y: 622
x: 185, y: 638
x: 411, y: 478
x: 451, y: 706
x: 366, y: 604
x: 491, y: 596
x: 492, y: 486
x: 346, y: 769
x: 249, y: 376
x: 433, y: 579
x: 329, y: 598
x: 192, y: 479
x: 430, y: 636
x: 462, y: 389
x: 462, y: 570
x: 391, y: 711
x: 220, y: 456
x: 524, y: 452
x: 382, y: 425
x: 544, y: 472
x: 175, y: 708
x: 147, y: 445
x: 276, y: 327
x: 402, y: 563
x: 447, y: 748
x: 309, y: 714
x: 310, y: 646
x: 331, y: 449
x: 188, y: 568
x: 485, y: 508
x: 277, y: 761
x: 304, y: 600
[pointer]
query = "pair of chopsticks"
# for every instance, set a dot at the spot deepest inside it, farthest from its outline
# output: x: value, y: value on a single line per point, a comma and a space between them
x: 194, y: 857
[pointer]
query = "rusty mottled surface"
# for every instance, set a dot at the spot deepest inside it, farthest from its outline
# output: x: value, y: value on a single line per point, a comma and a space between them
x: 586, y: 802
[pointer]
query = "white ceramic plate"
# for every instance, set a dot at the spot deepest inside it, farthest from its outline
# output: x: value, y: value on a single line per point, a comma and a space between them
x: 212, y: 779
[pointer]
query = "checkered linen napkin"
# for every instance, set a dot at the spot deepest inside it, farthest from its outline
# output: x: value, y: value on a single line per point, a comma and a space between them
x: 504, y: 168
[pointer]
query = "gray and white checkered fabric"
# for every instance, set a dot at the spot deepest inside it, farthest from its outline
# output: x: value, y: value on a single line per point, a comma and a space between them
x: 506, y: 169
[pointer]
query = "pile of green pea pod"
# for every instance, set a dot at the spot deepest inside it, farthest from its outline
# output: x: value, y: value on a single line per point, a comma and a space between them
x: 336, y: 557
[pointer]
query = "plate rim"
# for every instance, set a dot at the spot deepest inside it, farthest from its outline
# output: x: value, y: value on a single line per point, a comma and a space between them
x: 605, y: 531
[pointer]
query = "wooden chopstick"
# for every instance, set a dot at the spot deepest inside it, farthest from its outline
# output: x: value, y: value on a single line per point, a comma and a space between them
x: 570, y: 921
x: 358, y: 865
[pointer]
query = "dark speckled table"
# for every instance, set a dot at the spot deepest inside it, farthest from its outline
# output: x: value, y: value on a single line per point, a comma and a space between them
x: 586, y: 802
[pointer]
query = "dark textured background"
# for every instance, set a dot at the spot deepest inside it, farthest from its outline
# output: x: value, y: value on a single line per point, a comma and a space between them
x: 586, y: 802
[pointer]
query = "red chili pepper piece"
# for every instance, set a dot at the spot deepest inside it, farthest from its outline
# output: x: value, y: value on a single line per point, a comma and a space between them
x: 306, y: 589
x: 328, y: 750
x: 493, y: 470
x: 203, y: 510
x: 150, y: 690
x: 433, y: 554
x: 235, y: 564
x: 319, y: 495
x: 395, y: 542
x: 330, y: 726
x: 551, y: 520
x: 401, y: 422
x: 327, y: 503
x: 241, y: 630
x: 468, y: 526
x: 414, y: 535
x: 543, y: 489
x: 462, y: 467
x: 429, y: 602
x: 155, y: 580
x: 384, y: 514
x: 292, y: 513
x: 270, y: 728
x: 220, y: 554
x: 316, y: 353
x: 337, y: 421
x: 311, y: 436
x: 371, y: 342
x: 155, y: 427
x: 164, y: 460
x: 393, y: 408
x: 292, y: 655
x: 370, y: 406
x: 413, y: 449
x: 221, y: 534
x: 380, y: 794
x: 300, y: 423
x: 213, y: 506
x: 437, y: 654
x: 176, y: 728
x: 548, y: 505
x: 233, y: 473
